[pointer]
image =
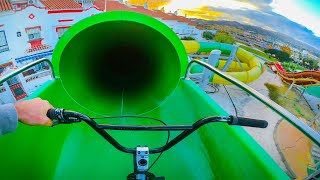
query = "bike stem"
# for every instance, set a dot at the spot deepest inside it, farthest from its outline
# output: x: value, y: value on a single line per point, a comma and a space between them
x: 141, y: 162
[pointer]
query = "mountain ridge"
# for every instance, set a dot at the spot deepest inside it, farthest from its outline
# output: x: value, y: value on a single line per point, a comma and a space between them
x: 274, y: 35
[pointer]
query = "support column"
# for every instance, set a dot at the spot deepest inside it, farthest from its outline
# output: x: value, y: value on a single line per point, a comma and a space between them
x: 231, y: 57
x: 289, y: 89
x: 212, y: 60
x: 236, y: 58
x: 316, y: 117
x: 304, y: 90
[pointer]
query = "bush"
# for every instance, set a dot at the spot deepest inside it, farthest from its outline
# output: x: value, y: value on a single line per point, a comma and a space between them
x: 187, y: 38
x: 291, y: 67
x: 291, y: 102
x: 274, y: 93
x: 310, y: 64
x: 208, y: 35
x: 224, y: 38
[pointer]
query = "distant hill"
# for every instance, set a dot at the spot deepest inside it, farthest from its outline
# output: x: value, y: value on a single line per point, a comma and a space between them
x: 274, y: 35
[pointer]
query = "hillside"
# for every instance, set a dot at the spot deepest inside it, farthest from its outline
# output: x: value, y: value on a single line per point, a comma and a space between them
x: 273, y: 35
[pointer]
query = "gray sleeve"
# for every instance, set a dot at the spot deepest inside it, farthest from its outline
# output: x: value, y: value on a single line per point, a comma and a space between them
x: 8, y: 119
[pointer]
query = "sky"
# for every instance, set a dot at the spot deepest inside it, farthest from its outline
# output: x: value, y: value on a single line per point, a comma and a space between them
x: 299, y: 19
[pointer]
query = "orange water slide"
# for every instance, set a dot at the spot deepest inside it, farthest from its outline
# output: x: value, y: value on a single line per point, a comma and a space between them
x: 306, y: 78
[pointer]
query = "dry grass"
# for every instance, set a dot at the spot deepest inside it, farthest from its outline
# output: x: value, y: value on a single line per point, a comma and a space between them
x: 291, y: 102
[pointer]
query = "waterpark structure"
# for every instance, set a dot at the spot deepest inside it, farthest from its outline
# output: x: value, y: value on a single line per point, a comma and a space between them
x: 304, y: 78
x: 239, y: 64
x: 307, y: 80
x: 46, y: 21
x: 91, y: 74
x: 144, y: 81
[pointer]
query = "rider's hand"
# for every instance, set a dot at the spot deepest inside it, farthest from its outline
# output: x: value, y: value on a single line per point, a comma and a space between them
x: 34, y: 112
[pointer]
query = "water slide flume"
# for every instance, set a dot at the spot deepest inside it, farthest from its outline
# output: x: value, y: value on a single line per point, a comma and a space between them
x: 111, y: 64
x: 304, y: 78
x: 252, y: 68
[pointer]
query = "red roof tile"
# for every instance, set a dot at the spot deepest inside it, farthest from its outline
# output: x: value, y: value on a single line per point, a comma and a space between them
x: 115, y: 5
x: 192, y: 23
x: 60, y: 4
x: 144, y: 11
x: 169, y: 17
x: 5, y: 5
x: 111, y: 5
x: 38, y: 48
x: 160, y: 14
x: 183, y: 19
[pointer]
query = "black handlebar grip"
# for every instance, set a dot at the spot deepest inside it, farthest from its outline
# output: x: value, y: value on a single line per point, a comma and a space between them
x: 241, y: 121
x: 51, y: 114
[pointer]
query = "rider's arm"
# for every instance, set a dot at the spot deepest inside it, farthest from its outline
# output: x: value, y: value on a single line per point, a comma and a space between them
x: 8, y: 119
x: 32, y: 112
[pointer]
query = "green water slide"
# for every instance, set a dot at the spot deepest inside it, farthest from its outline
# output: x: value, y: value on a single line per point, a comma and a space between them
x: 124, y: 63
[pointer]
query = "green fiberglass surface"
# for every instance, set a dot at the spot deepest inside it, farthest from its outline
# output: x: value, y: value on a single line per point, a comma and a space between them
x: 208, y: 46
x: 215, y: 151
x: 115, y: 58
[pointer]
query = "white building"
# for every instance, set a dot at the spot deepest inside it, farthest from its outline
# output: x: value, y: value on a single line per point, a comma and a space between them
x: 305, y: 54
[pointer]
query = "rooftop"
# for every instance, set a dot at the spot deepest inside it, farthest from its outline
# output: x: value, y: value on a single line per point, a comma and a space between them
x: 60, y: 4
x: 113, y: 5
x: 5, y: 6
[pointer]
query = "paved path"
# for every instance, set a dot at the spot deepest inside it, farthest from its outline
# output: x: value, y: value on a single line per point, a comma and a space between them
x: 249, y: 107
x: 295, y: 147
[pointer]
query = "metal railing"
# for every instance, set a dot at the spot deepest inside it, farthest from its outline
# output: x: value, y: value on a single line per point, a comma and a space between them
x: 37, y: 75
x: 304, y: 128
x: 26, y: 67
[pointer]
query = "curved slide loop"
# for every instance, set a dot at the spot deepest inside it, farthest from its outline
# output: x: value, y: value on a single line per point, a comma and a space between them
x: 250, y: 63
x: 304, y: 78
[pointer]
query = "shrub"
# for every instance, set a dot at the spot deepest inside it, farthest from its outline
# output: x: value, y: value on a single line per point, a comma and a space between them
x: 208, y: 35
x: 187, y: 38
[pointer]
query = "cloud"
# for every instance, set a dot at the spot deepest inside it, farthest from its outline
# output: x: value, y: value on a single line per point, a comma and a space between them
x: 203, y: 13
x: 152, y: 4
x: 271, y: 20
x: 284, y: 16
x: 194, y: 4
x: 296, y: 13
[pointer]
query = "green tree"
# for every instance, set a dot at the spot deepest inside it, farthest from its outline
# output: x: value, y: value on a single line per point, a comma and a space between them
x: 287, y: 50
x: 208, y: 35
x: 311, y: 64
x: 187, y: 38
x: 280, y: 55
x: 224, y: 38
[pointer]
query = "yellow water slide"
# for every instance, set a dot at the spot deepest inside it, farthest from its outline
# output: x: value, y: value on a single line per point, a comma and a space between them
x: 250, y: 63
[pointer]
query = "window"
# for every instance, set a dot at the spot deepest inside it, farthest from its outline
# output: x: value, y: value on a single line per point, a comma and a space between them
x: 61, y: 31
x: 3, y: 42
x: 34, y: 33
x: 18, y: 91
x: 13, y: 81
